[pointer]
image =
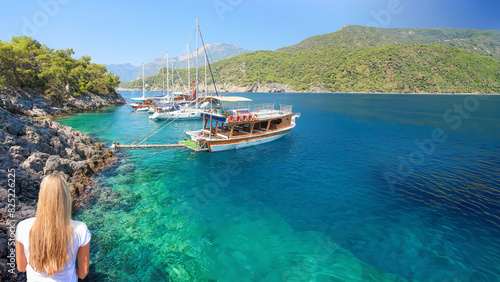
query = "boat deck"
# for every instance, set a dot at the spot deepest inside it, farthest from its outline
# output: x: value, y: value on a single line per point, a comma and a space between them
x: 193, y: 145
x: 224, y: 133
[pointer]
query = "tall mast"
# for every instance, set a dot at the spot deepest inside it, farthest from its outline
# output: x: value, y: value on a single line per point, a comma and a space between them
x: 162, y: 75
x: 205, y: 70
x: 168, y: 85
x: 189, y: 72
x: 172, y: 85
x: 197, y: 34
x: 143, y: 81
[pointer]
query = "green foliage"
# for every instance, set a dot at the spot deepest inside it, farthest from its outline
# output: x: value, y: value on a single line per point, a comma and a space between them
x: 26, y: 63
x: 18, y: 63
x: 398, y: 68
x: 484, y: 43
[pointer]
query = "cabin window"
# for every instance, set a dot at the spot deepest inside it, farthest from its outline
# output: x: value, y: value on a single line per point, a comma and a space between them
x: 260, y: 125
x: 275, y: 124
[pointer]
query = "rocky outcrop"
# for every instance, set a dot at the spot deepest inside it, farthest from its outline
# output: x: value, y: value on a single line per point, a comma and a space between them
x: 31, y: 148
x: 30, y: 103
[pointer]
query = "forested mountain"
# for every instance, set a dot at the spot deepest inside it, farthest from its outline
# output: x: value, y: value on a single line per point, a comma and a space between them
x: 358, y: 58
x: 399, y: 68
x: 216, y: 51
x: 485, y: 43
x: 25, y: 62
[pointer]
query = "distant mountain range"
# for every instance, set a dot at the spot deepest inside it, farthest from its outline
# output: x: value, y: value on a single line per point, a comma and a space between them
x: 216, y: 51
x: 368, y: 59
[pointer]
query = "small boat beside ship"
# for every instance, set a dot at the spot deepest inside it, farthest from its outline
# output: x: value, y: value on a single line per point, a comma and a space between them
x: 238, y: 127
x: 182, y: 111
x: 175, y: 112
x: 143, y: 103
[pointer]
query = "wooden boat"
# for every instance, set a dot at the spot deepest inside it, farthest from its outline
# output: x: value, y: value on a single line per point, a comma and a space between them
x: 242, y: 127
x: 142, y: 106
x: 145, y: 103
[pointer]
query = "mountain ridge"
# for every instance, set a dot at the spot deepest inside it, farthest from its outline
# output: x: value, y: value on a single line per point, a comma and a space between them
x: 365, y: 59
x: 485, y: 43
x: 217, y: 51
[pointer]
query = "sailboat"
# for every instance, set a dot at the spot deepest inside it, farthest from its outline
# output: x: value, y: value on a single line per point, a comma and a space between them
x: 145, y: 103
x: 162, y: 100
x: 187, y: 110
x: 236, y: 124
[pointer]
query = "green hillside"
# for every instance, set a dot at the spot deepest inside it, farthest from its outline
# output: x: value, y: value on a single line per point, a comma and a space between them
x: 485, y: 43
x: 399, y: 68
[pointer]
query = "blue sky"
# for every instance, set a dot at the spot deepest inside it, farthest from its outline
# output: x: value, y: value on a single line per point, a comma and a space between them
x: 113, y: 31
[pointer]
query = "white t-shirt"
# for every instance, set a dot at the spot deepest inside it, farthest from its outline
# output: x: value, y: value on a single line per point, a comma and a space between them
x: 81, y: 236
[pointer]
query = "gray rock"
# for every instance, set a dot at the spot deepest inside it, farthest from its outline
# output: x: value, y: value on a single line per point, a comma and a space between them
x: 36, y: 112
x: 17, y: 159
x: 31, y: 103
x: 56, y: 163
x: 35, y: 148
x: 36, y: 162
x: 18, y: 150
x: 81, y: 167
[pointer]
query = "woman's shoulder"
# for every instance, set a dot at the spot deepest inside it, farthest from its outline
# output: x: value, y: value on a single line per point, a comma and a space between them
x: 79, y: 225
x: 23, y: 230
x: 26, y: 222
x: 81, y: 232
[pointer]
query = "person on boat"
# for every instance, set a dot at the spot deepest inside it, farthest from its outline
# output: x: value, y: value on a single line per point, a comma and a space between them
x: 48, y: 245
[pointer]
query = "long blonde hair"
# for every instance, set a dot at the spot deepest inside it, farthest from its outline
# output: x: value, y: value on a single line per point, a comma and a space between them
x: 51, y: 233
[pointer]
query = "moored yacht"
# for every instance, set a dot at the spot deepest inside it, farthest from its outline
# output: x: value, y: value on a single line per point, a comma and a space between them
x: 239, y: 127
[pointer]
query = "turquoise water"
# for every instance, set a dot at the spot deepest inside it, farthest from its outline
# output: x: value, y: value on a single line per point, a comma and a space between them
x: 365, y: 188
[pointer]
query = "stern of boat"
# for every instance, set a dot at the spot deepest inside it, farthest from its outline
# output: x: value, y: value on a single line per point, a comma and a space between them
x: 194, y: 135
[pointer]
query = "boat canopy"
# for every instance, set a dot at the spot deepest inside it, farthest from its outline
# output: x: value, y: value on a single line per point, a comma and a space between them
x: 232, y: 99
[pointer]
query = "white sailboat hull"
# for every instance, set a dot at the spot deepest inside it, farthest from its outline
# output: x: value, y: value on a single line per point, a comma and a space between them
x: 179, y: 115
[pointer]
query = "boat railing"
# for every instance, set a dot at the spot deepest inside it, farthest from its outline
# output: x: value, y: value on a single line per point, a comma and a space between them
x: 261, y: 107
x: 286, y: 108
x: 265, y: 110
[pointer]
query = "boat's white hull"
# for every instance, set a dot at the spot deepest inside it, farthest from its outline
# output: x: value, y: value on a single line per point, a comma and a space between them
x: 143, y: 110
x: 175, y: 115
x: 245, y: 144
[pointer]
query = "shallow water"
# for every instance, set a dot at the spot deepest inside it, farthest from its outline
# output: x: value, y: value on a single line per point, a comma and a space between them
x: 366, y: 187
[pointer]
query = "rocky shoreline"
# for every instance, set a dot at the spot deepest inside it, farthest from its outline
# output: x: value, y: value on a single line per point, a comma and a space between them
x: 33, y: 146
x: 28, y: 102
x: 280, y: 88
x: 256, y: 87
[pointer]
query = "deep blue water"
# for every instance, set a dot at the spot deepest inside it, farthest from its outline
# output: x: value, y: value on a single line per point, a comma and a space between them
x: 366, y: 187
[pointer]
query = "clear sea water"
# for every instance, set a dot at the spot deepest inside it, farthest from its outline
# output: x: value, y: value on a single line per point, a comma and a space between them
x: 365, y: 188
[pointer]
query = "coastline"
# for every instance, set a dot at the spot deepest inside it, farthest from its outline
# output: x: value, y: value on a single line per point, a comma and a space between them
x: 34, y: 146
x: 324, y: 92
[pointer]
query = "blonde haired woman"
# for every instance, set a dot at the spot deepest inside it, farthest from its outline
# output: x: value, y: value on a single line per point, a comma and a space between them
x: 47, y: 245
